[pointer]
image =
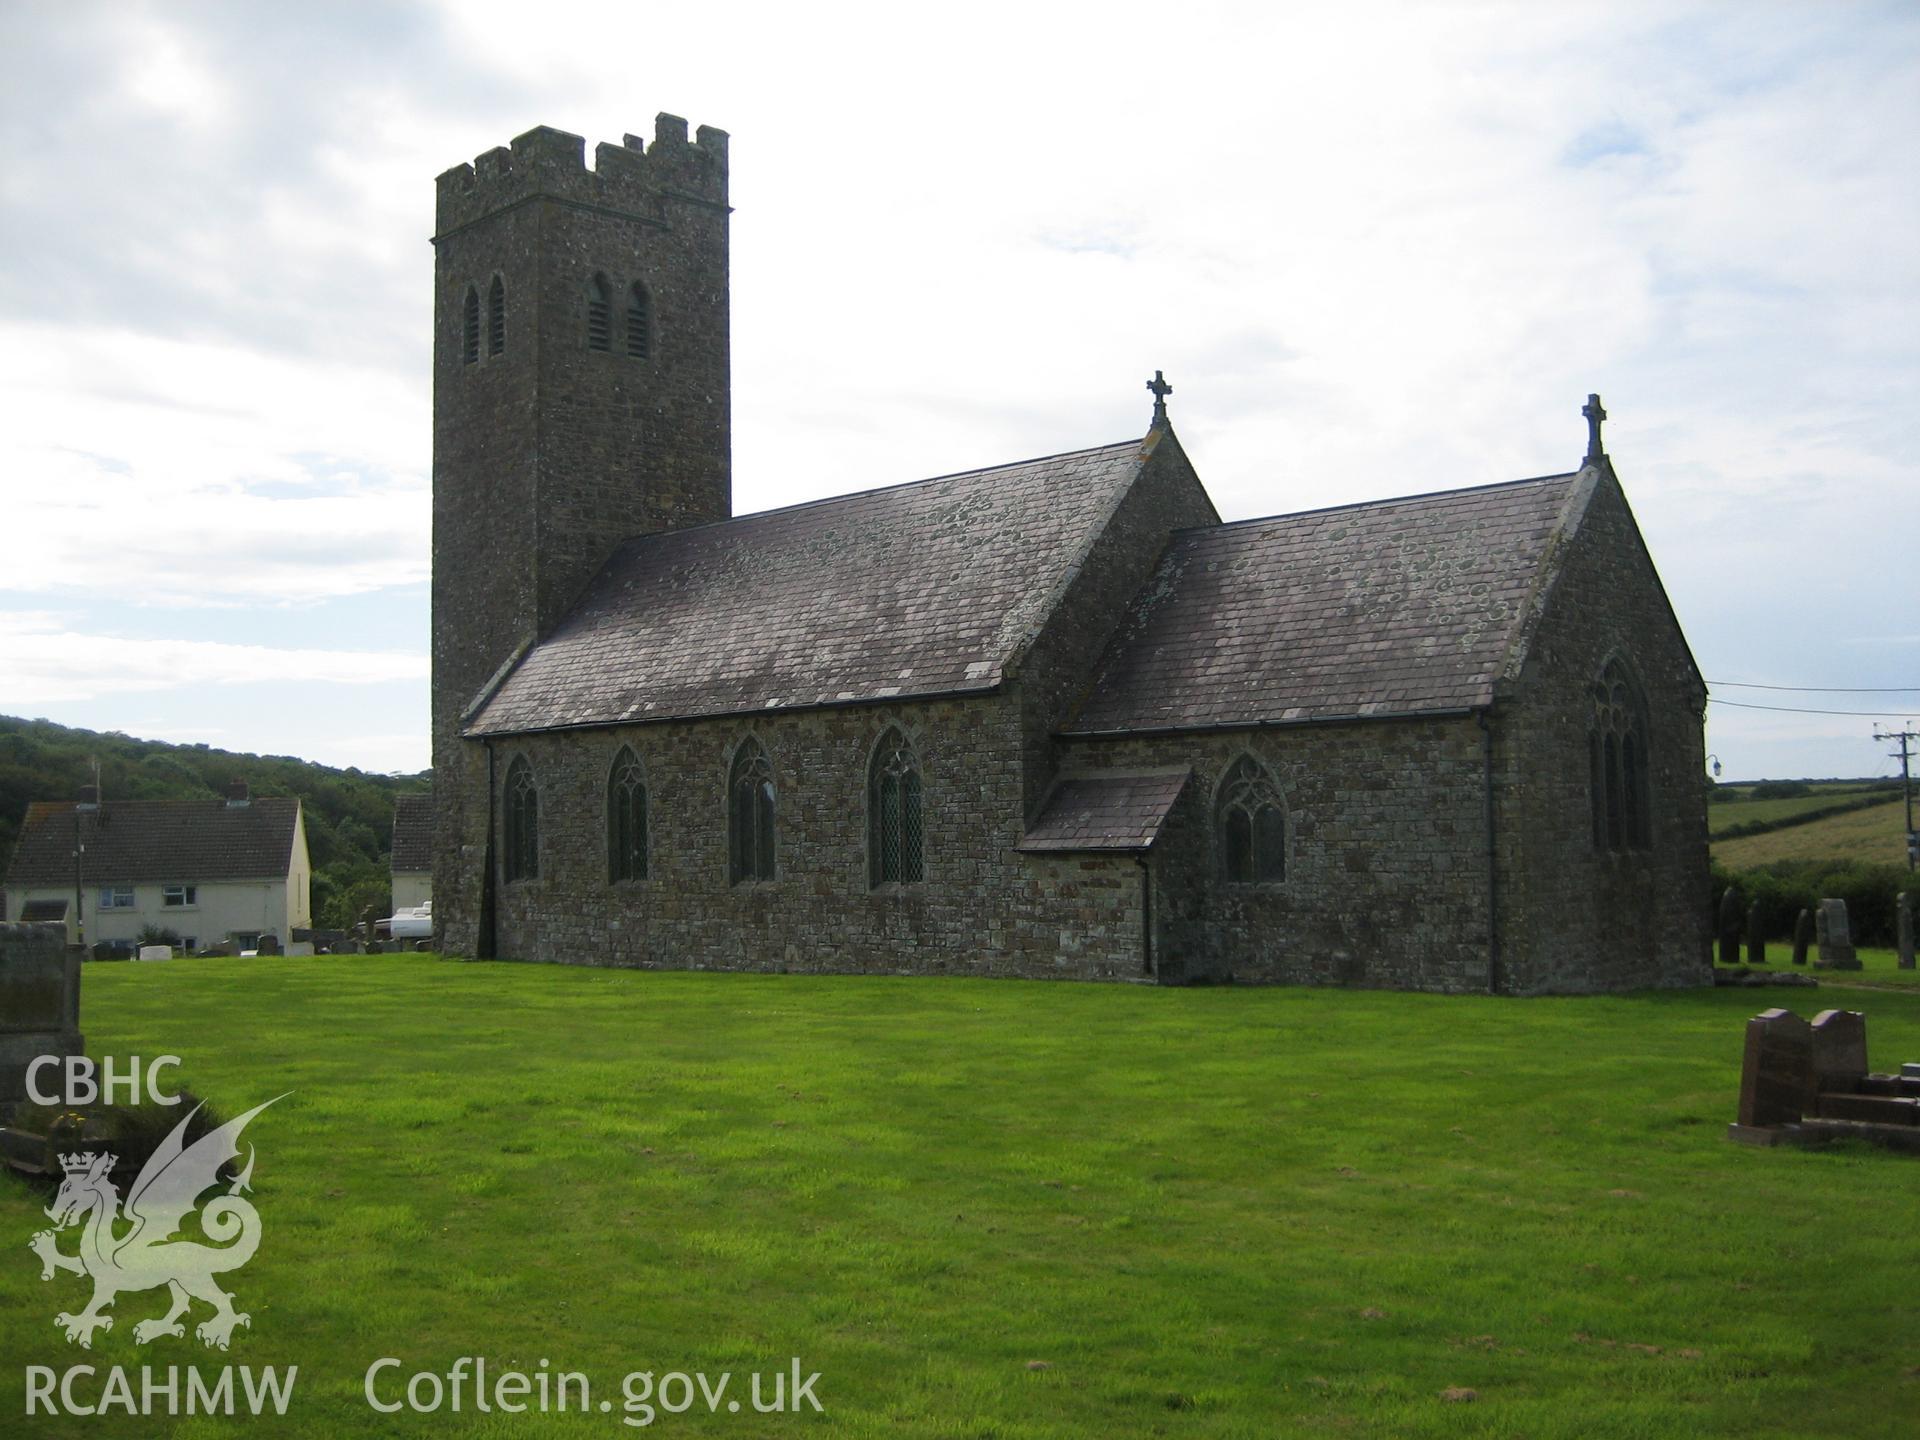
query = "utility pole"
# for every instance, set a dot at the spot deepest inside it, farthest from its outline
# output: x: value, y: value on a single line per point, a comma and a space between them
x: 1905, y: 756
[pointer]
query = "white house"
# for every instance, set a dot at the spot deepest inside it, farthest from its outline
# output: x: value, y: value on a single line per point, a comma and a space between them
x: 412, y: 851
x: 213, y: 872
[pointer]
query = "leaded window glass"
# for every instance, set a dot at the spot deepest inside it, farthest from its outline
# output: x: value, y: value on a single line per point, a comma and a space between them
x: 896, y: 829
x: 1617, y: 763
x: 626, y: 818
x: 521, y: 814
x: 750, y: 814
x: 1252, y: 825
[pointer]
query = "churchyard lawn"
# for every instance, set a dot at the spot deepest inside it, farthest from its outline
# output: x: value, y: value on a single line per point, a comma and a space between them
x: 1017, y: 1210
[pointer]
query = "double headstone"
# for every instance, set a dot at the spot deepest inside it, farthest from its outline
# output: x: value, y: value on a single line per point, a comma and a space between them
x: 1776, y: 1073
x: 1836, y: 937
x: 1903, y: 920
x: 39, y: 1004
x: 1839, y: 1050
x: 1802, y: 936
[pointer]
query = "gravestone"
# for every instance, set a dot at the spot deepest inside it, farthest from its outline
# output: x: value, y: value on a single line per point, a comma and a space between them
x: 269, y: 945
x: 1730, y: 926
x: 39, y: 1004
x: 1839, y: 1049
x: 1802, y: 936
x: 1836, y: 937
x: 300, y: 949
x: 155, y: 952
x: 1756, y: 937
x: 1903, y: 921
x: 1776, y: 1073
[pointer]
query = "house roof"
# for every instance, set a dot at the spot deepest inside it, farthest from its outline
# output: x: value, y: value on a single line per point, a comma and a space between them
x: 156, y: 842
x: 1104, y: 812
x: 930, y: 588
x: 1398, y: 607
x: 412, y: 834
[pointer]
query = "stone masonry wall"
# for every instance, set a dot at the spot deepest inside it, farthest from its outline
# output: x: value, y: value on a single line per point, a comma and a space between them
x: 983, y: 909
x: 1053, y: 676
x: 1574, y: 917
x: 1386, y: 876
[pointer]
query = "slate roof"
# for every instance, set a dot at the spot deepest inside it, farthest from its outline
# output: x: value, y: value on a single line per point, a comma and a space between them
x: 924, y: 589
x: 412, y: 834
x: 1397, y: 607
x: 1104, y: 812
x: 156, y: 842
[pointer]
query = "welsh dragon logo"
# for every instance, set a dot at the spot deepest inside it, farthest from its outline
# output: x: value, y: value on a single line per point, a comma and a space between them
x: 135, y: 1250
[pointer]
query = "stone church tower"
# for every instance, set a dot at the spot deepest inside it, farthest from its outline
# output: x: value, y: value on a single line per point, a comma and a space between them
x: 580, y: 396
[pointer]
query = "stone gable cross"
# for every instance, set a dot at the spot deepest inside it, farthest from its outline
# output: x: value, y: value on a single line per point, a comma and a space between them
x: 1161, y: 389
x: 1595, y: 414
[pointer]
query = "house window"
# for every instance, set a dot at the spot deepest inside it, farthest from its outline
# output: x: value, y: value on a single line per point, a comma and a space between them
x: 1252, y: 823
x: 750, y: 814
x: 116, y: 897
x: 626, y: 818
x: 896, y: 847
x: 521, y: 807
x: 470, y: 328
x: 639, y: 322
x: 497, y: 318
x: 1617, y: 781
x: 178, y: 897
x: 599, y: 314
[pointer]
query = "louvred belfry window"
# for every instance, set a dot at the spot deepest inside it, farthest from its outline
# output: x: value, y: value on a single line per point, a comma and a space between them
x: 599, y: 314
x: 470, y: 328
x: 639, y: 322
x: 497, y: 318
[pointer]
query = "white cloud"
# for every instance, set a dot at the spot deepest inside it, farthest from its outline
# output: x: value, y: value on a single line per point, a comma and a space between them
x: 42, y: 663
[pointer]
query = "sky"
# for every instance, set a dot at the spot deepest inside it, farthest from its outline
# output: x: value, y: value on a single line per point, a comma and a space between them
x: 1378, y: 249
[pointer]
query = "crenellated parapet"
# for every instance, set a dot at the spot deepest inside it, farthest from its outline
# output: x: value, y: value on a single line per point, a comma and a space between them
x: 632, y: 178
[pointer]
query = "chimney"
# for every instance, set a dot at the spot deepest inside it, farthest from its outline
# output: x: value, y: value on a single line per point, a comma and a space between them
x: 89, y: 798
x: 237, y: 793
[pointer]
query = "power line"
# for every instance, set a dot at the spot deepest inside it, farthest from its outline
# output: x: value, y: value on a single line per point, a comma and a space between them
x: 1801, y: 710
x: 1823, y: 689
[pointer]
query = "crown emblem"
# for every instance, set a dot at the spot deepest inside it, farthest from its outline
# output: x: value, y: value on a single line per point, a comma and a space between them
x: 82, y: 1161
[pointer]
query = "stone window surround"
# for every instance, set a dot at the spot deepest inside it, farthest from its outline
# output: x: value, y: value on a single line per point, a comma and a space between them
x: 517, y: 868
x: 627, y: 759
x: 1229, y: 781
x: 1633, y: 841
x: 750, y: 754
x: 893, y: 732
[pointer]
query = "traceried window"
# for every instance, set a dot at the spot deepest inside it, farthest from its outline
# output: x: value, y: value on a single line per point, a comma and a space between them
x: 639, y: 322
x: 896, y: 836
x: 1617, y: 763
x: 520, y: 806
x: 470, y: 328
x: 497, y: 318
x: 626, y: 818
x: 599, y: 314
x: 1252, y: 823
x: 750, y: 814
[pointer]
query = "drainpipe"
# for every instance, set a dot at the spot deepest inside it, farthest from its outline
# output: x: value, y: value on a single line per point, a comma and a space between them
x: 1494, y: 979
x: 483, y: 940
x: 1146, y: 911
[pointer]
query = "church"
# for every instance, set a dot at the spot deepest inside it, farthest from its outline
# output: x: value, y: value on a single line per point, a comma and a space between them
x: 1052, y: 719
